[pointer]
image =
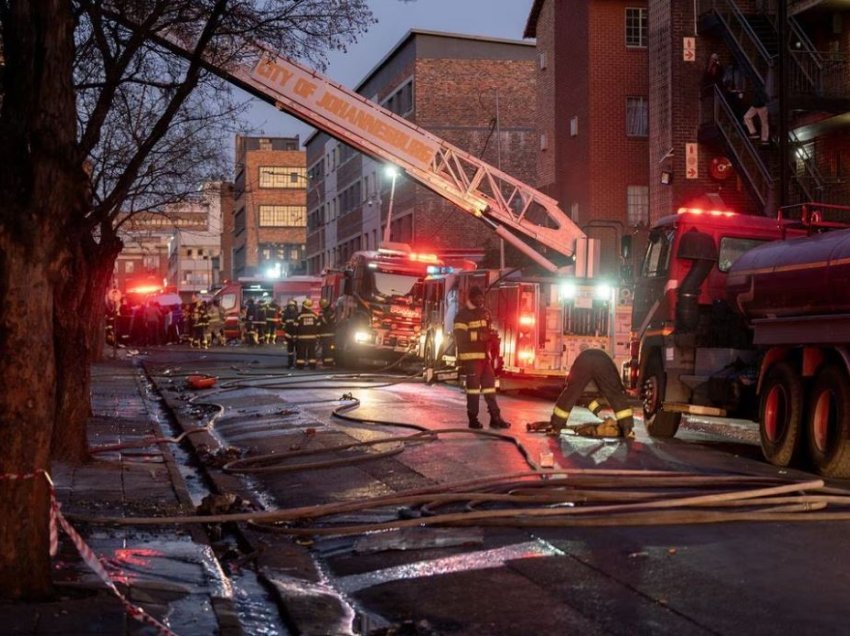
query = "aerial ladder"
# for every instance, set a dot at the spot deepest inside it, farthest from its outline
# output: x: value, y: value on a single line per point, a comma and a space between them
x: 568, y: 320
x: 513, y: 210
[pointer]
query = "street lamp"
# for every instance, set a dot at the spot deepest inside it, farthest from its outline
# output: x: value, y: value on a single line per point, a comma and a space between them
x: 392, y: 172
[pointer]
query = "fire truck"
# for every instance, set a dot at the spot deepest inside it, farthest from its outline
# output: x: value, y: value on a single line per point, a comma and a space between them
x: 232, y: 296
x: 378, y: 301
x: 566, y: 307
x: 748, y: 316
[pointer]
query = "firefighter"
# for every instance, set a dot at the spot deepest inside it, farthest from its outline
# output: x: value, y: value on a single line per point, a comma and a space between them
x: 306, y: 333
x: 261, y: 321
x: 473, y: 335
x: 251, y: 322
x: 327, y: 322
x: 201, y: 326
x: 272, y: 322
x: 290, y: 321
x: 595, y: 365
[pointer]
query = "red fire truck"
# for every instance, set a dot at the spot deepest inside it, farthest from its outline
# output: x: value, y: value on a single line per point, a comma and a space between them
x: 747, y: 316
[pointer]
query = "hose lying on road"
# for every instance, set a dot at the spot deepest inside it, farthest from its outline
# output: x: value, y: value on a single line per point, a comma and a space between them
x: 571, y: 497
x: 580, y: 497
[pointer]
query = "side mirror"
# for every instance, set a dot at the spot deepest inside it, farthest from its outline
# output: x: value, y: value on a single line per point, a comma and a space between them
x: 626, y: 246
x: 346, y: 282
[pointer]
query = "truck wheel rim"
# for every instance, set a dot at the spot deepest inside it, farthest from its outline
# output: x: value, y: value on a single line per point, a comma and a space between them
x: 775, y: 413
x: 649, y: 392
x: 822, y: 418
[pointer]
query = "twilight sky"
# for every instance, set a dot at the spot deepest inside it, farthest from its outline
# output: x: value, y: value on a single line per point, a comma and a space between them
x: 496, y: 18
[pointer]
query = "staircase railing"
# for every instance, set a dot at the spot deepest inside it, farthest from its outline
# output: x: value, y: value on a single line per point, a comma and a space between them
x: 717, y: 112
x: 758, y: 58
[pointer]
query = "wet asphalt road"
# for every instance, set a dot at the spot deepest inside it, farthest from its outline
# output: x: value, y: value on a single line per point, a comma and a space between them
x: 735, y: 578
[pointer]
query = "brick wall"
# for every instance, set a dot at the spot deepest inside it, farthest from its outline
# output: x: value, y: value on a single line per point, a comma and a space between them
x: 456, y: 100
x: 253, y: 197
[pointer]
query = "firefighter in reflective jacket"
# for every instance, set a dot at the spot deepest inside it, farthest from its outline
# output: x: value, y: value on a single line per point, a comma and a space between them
x: 290, y: 320
x: 306, y: 334
x: 473, y: 335
x: 272, y: 322
x: 595, y: 365
x: 327, y: 322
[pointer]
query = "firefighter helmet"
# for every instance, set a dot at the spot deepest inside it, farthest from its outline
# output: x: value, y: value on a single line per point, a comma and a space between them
x: 323, y: 303
x: 292, y: 302
x: 307, y: 303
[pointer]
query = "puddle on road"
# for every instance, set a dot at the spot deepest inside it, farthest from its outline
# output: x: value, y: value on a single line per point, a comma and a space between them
x: 481, y: 560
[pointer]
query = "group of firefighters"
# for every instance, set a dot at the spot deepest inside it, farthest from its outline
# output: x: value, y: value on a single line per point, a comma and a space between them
x: 307, y: 334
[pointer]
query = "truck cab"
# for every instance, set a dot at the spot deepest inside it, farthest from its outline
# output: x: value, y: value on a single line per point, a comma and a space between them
x: 687, y: 343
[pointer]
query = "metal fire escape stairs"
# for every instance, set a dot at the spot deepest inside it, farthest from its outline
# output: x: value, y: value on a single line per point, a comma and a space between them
x: 754, y: 41
x: 523, y: 216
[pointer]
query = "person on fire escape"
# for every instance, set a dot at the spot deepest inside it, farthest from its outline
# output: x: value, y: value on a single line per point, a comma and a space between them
x: 595, y: 365
x: 473, y: 335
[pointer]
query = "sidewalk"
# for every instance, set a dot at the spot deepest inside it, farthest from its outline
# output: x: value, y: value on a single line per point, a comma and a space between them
x: 169, y: 571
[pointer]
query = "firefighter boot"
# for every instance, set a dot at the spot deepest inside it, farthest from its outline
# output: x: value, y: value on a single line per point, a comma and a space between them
x: 473, y: 421
x: 496, y: 421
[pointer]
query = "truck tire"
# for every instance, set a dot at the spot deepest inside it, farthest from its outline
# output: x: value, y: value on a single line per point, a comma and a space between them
x: 658, y: 422
x: 781, y: 415
x: 828, y: 423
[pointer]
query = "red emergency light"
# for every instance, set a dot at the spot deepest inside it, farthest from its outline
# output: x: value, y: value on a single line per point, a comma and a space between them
x: 684, y: 210
x: 525, y: 356
x: 527, y: 320
x: 424, y: 258
x: 145, y: 289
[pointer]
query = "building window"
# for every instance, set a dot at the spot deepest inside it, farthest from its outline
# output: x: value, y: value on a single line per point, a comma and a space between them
x: 282, y: 177
x: 637, y: 202
x: 265, y: 144
x: 401, y: 101
x: 637, y: 117
x: 239, y: 222
x: 129, y: 267
x: 637, y: 28
x: 283, y: 216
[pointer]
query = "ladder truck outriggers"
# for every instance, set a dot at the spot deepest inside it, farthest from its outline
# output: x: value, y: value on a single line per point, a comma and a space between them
x: 543, y: 323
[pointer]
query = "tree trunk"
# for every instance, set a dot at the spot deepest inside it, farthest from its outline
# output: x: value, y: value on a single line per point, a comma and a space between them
x: 42, y: 187
x: 26, y: 418
x: 78, y: 313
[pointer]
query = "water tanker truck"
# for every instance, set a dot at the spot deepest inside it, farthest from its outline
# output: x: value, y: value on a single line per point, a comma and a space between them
x: 749, y: 317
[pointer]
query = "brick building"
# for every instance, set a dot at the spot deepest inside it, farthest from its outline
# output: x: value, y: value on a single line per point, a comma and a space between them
x: 630, y: 131
x: 269, y: 219
x: 593, y: 114
x: 477, y: 93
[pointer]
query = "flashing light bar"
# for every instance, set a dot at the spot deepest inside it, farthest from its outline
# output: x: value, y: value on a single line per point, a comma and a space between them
x: 684, y: 210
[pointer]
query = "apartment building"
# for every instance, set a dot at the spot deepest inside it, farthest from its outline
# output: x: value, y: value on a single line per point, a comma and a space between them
x: 478, y: 94
x: 593, y: 107
x: 270, y: 217
x: 631, y: 130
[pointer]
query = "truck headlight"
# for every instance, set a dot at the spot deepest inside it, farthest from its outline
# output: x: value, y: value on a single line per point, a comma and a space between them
x: 361, y: 337
x: 603, y: 291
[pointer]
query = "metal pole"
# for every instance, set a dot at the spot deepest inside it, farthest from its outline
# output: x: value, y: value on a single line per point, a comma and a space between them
x: 499, y: 166
x: 390, y: 210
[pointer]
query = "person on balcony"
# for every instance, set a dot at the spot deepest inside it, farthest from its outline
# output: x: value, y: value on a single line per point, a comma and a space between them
x: 758, y: 109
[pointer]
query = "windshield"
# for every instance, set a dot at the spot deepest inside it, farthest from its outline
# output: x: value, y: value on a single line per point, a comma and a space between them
x: 393, y: 284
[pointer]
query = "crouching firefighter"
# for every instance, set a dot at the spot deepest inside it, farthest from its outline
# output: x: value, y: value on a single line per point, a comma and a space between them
x: 595, y: 365
x: 473, y: 335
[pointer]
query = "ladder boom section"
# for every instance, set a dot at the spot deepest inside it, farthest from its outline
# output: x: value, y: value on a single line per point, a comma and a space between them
x: 503, y: 202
